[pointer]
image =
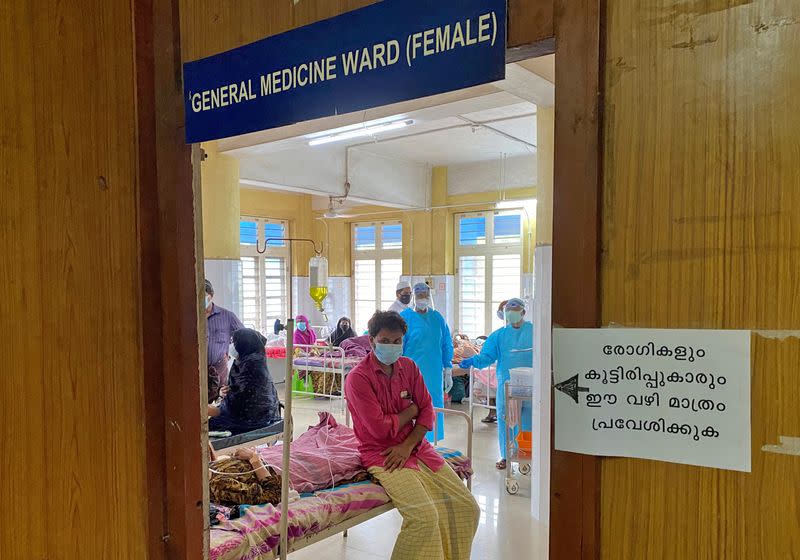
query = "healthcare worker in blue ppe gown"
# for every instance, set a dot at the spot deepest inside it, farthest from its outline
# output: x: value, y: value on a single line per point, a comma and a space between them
x: 429, y: 344
x: 503, y: 346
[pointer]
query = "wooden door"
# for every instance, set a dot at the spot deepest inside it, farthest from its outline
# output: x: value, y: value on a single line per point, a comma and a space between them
x: 701, y: 229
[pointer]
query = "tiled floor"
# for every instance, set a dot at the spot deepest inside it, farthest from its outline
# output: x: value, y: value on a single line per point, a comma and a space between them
x: 507, y: 529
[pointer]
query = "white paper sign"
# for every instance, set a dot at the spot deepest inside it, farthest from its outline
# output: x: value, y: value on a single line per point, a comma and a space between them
x: 673, y: 395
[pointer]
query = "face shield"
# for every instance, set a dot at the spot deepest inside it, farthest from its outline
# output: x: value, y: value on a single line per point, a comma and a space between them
x: 422, y: 297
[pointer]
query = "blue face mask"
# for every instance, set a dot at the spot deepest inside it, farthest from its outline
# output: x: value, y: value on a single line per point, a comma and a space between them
x: 301, y: 327
x: 388, y: 353
x: 232, y: 352
x: 513, y: 317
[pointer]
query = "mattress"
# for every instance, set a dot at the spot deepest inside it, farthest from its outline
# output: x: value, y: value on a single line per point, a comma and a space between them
x: 256, y: 535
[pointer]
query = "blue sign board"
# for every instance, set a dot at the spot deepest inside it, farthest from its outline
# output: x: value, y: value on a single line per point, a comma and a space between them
x: 388, y: 52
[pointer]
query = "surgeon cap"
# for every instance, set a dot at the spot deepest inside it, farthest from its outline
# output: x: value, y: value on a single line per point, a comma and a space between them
x: 515, y: 302
x: 421, y: 288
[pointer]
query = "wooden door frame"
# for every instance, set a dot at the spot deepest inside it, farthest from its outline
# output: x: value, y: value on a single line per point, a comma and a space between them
x: 170, y: 241
x: 575, y: 478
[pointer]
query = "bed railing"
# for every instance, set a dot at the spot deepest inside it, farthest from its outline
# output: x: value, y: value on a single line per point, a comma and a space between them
x: 332, y: 360
x: 468, y: 419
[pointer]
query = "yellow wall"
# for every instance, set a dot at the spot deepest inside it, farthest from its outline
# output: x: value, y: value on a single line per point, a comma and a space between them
x: 428, y: 236
x: 335, y: 234
x: 220, y: 190
x: 545, y: 160
x: 442, y: 257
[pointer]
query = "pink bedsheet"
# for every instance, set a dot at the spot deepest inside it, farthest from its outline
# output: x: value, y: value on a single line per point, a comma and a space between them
x: 487, y: 377
x: 358, y: 347
x: 256, y: 535
x: 322, y: 457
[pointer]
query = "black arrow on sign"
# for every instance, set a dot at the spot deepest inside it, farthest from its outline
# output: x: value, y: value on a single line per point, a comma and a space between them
x: 571, y: 388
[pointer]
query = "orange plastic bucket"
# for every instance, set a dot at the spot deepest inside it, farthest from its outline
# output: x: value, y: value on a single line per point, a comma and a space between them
x: 525, y: 442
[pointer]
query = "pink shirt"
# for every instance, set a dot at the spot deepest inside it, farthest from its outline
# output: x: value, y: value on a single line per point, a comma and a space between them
x: 375, y: 400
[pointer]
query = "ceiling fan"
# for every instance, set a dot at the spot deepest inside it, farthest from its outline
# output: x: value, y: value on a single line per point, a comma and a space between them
x: 335, y: 204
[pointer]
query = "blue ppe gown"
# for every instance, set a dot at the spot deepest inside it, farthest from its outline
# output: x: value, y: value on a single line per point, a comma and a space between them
x: 429, y: 344
x: 498, y: 348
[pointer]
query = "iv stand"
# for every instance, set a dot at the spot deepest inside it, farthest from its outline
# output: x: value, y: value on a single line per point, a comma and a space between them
x: 288, y: 427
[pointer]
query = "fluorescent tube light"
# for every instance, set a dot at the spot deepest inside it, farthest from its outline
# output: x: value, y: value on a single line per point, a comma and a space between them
x: 359, y: 132
x: 528, y: 205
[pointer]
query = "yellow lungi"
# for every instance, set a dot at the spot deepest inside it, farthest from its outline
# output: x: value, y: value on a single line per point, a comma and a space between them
x: 440, y: 516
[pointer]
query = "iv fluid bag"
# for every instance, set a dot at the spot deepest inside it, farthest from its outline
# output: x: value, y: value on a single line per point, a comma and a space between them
x: 318, y: 274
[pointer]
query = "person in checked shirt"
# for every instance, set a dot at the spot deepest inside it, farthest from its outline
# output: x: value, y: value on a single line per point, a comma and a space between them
x: 221, y: 326
x: 392, y: 412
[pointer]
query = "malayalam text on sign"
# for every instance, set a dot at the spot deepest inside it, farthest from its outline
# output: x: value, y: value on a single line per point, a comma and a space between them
x: 672, y: 395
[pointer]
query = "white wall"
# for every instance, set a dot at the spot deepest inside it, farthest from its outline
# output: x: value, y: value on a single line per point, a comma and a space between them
x: 444, y: 298
x: 373, y: 178
x: 226, y: 277
x: 542, y: 318
x: 377, y: 178
x: 336, y: 305
x: 490, y: 176
x: 528, y: 288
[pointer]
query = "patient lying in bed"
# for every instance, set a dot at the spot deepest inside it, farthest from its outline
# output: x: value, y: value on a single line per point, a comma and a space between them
x: 242, y: 479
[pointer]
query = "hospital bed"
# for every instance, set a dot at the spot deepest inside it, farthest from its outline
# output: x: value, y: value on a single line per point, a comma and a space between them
x: 483, y: 387
x: 327, y: 366
x: 316, y: 515
x: 265, y: 531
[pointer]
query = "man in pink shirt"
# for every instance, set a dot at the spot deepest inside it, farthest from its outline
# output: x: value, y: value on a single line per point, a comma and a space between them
x: 392, y: 412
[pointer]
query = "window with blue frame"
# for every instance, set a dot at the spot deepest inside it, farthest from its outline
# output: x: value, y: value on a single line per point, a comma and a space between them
x: 507, y: 227
x: 273, y: 231
x: 472, y: 230
x: 392, y: 236
x: 365, y: 237
x: 248, y: 232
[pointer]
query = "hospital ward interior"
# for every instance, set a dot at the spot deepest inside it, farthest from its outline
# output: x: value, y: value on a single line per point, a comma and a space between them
x: 429, y: 211
x: 400, y: 279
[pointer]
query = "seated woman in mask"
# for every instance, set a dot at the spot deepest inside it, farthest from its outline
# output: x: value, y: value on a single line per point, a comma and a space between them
x: 303, y: 333
x: 343, y: 331
x: 250, y: 401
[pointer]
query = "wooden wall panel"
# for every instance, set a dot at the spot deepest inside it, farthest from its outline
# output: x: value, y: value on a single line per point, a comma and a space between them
x: 701, y: 229
x: 22, y: 460
x: 73, y: 462
x: 210, y: 26
x: 529, y: 21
